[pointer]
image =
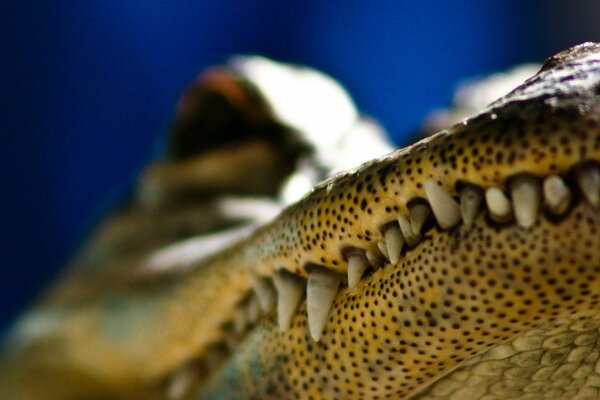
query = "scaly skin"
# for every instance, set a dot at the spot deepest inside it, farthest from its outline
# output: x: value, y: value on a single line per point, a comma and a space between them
x: 410, y: 324
x: 457, y: 300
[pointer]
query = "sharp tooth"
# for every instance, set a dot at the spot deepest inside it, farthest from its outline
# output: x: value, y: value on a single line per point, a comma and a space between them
x: 321, y: 291
x: 588, y: 179
x: 445, y: 209
x: 556, y: 194
x: 418, y: 216
x: 407, y: 231
x: 253, y: 309
x: 239, y: 320
x: 393, y: 243
x: 383, y: 249
x: 290, y: 291
x: 526, y: 198
x: 357, y: 264
x: 498, y: 204
x: 264, y: 291
x: 470, y: 201
x: 375, y: 259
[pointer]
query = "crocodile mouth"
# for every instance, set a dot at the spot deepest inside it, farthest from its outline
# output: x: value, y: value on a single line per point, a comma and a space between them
x: 407, y: 325
x: 460, y: 266
x: 419, y: 261
x: 389, y: 281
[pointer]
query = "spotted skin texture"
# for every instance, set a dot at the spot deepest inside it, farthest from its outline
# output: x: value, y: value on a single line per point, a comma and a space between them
x: 351, y: 210
x: 466, y: 290
x: 453, y: 299
x: 447, y: 302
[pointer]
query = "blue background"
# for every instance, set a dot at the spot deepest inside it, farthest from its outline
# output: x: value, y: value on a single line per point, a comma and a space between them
x: 87, y: 88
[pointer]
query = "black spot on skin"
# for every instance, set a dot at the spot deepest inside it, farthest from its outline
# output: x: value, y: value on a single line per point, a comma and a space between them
x: 386, y: 170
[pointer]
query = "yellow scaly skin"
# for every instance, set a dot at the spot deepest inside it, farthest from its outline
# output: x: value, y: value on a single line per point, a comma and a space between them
x: 435, y: 315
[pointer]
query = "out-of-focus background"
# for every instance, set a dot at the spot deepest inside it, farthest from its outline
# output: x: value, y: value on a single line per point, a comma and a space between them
x: 88, y: 88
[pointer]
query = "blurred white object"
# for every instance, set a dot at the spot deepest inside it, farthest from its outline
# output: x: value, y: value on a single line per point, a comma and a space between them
x: 475, y: 94
x: 323, y: 114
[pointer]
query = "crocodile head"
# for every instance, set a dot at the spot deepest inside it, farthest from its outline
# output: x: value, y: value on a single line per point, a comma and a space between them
x: 463, y: 266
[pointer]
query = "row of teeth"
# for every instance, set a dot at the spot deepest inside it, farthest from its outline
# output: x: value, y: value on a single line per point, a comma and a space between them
x: 526, y: 196
x: 287, y: 290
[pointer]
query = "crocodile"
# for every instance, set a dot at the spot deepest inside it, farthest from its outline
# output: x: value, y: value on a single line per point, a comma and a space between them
x: 464, y: 266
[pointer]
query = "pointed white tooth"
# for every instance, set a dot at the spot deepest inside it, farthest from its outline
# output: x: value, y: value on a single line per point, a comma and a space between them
x: 239, y: 320
x: 321, y: 291
x: 357, y: 264
x: 393, y: 243
x: 588, y: 178
x: 498, y: 204
x: 470, y: 201
x: 375, y: 259
x: 290, y: 291
x: 383, y: 249
x: 253, y: 309
x: 557, y: 194
x: 526, y: 193
x: 445, y: 209
x: 264, y: 291
x: 418, y: 216
x: 407, y: 231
